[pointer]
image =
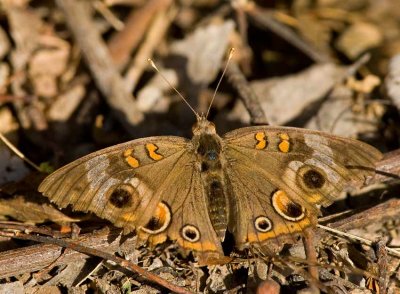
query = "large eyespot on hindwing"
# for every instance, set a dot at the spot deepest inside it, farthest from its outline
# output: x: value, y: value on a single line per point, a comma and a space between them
x: 123, y: 196
x: 286, y: 207
x: 160, y: 221
x: 190, y: 233
x: 311, y: 177
x: 263, y: 224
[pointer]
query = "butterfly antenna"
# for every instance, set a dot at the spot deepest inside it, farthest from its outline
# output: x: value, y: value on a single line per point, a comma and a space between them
x: 166, y: 80
x: 220, y: 80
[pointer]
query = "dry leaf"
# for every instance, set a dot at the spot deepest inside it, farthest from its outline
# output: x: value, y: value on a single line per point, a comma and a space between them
x: 4, y: 77
x: 65, y: 105
x: 21, y: 209
x: 216, y: 279
x: 13, y: 287
x: 359, y: 38
x: 392, y: 81
x: 151, y: 97
x: 314, y: 30
x: 43, y: 289
x: 25, y: 27
x: 68, y: 275
x: 8, y: 126
x: 205, y: 49
x: 366, y: 85
x: 283, y: 99
x: 51, y: 62
x: 4, y: 44
x: 45, y: 67
x: 336, y: 115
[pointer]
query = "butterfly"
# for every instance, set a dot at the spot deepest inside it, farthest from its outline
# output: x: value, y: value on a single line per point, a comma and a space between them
x: 261, y: 184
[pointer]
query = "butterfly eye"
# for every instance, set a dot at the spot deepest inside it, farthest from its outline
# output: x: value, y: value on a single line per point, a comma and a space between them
x: 195, y: 128
x: 211, y: 127
x: 212, y: 155
x: 263, y: 224
x: 159, y: 221
x: 190, y: 233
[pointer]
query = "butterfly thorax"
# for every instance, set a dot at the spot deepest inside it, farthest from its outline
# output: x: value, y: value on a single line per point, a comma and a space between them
x: 208, y: 148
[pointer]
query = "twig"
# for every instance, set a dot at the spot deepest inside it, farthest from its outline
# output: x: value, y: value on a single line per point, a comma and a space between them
x: 353, y: 68
x: 156, y: 32
x: 309, y: 246
x: 29, y: 228
x: 388, y: 209
x: 94, y: 252
x: 242, y: 23
x: 392, y: 251
x: 17, y: 152
x: 14, y: 262
x: 98, y: 59
x: 122, y: 43
x: 388, y: 169
x: 381, y: 251
x: 249, y: 98
x: 267, y: 20
x: 12, y: 98
x: 108, y: 15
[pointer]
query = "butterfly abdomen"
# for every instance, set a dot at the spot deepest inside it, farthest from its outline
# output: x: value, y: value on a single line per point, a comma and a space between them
x: 217, y: 203
x: 208, y: 150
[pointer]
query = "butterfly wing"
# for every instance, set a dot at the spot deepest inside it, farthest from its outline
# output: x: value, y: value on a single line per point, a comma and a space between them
x: 149, y: 185
x: 279, y: 175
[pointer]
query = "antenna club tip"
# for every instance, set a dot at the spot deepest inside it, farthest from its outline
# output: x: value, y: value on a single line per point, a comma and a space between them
x: 151, y: 62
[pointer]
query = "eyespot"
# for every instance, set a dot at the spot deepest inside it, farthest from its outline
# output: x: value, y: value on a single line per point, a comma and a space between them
x: 287, y: 208
x: 263, y: 224
x: 160, y: 221
x: 313, y: 179
x: 123, y: 196
x: 190, y: 233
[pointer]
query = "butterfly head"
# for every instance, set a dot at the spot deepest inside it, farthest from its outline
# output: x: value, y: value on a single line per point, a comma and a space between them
x: 203, y: 126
